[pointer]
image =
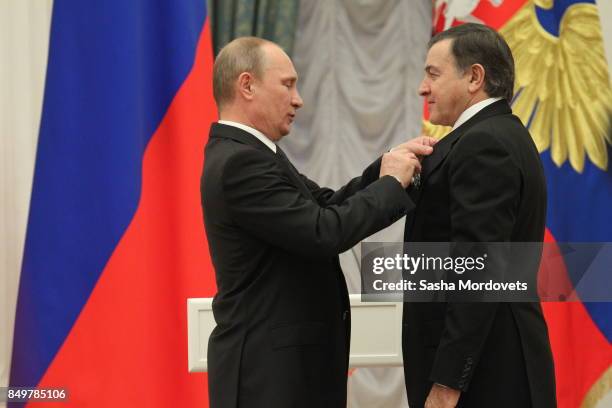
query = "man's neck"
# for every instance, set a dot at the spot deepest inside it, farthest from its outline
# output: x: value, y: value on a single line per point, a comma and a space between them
x: 475, y: 100
x: 224, y: 119
x: 474, y: 106
x: 237, y: 117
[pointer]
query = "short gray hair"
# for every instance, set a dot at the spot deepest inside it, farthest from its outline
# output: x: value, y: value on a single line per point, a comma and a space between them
x: 244, y: 54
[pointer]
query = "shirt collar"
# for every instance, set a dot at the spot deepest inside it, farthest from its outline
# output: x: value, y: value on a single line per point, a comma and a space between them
x: 473, y: 110
x: 260, y: 136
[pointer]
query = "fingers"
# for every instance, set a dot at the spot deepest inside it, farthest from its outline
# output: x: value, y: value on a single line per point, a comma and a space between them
x: 400, y: 164
x: 416, y: 163
x: 421, y: 150
x: 426, y: 140
x: 419, y: 140
x: 422, y: 146
x: 412, y: 160
x: 412, y: 157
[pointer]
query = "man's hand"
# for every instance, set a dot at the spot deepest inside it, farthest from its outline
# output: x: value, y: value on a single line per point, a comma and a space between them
x: 420, y: 146
x: 400, y: 164
x: 442, y: 397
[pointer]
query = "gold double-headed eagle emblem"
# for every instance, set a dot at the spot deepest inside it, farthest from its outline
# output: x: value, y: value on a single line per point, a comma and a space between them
x: 562, y: 88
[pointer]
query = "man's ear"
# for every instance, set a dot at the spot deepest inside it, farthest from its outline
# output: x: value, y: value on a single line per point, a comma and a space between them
x: 477, y: 78
x: 246, y: 85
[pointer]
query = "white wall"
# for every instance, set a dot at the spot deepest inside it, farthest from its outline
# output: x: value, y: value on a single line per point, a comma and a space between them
x: 24, y: 37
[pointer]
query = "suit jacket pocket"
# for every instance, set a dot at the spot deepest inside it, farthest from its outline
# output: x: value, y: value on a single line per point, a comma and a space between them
x: 299, y: 334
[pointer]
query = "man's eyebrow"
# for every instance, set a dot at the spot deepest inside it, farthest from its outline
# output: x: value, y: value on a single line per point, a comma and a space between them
x: 430, y: 68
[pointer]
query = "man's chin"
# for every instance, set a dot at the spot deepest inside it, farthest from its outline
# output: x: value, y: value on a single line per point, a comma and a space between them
x: 284, y: 132
x: 275, y: 138
x: 438, y: 122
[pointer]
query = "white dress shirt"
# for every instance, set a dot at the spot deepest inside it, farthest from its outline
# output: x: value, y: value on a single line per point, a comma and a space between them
x: 262, y: 138
x: 474, y: 109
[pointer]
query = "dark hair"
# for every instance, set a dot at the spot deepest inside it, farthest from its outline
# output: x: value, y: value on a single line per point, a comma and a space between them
x: 478, y: 44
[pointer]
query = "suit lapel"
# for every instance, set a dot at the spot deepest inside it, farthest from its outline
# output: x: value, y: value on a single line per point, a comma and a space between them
x: 219, y: 130
x: 293, y: 173
x: 443, y: 147
x: 441, y: 150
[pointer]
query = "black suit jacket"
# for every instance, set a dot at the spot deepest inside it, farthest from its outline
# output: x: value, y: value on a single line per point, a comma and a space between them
x: 483, y: 183
x: 282, y: 308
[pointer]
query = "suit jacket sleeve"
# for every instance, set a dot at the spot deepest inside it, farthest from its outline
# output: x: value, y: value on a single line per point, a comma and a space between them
x: 326, y: 196
x: 263, y: 200
x: 484, y: 192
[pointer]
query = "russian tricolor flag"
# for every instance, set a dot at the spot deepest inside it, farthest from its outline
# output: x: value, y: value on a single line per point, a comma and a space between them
x: 115, y: 240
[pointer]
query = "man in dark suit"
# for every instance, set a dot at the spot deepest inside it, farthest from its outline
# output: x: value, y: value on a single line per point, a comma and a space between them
x: 483, y: 183
x: 282, y: 308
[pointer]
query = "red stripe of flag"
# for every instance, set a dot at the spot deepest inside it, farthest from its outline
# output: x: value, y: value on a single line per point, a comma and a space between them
x: 129, y: 345
x: 581, y: 352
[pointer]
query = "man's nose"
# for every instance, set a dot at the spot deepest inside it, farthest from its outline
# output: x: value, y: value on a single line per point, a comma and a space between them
x: 423, y: 88
x: 297, y: 101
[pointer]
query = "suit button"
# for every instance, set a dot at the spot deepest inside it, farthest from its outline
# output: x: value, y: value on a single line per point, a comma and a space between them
x: 345, y: 315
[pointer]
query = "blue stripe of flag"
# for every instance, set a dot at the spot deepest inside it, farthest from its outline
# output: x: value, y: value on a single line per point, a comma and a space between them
x: 114, y: 67
x: 579, y: 211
